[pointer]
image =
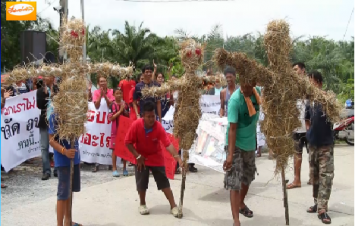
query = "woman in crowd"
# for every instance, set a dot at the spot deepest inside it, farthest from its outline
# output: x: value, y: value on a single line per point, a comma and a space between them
x: 118, y: 108
x: 99, y: 95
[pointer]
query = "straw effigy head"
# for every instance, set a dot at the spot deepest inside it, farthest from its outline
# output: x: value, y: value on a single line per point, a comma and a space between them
x: 73, y: 38
x: 278, y: 45
x: 191, y: 54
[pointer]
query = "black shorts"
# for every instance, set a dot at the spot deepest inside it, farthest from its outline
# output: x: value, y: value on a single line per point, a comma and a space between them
x: 300, y: 142
x: 142, y: 178
x: 64, y: 181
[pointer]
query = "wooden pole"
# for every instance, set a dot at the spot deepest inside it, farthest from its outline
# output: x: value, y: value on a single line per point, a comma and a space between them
x: 285, y: 196
x: 72, y: 146
x: 183, y: 181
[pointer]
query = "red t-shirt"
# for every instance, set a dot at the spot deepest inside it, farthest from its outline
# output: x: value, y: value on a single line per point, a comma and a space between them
x: 147, y: 143
x: 126, y: 86
x: 132, y: 113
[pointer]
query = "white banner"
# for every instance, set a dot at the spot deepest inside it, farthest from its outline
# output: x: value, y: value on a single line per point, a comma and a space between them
x: 209, y: 104
x: 94, y: 145
x: 20, y: 138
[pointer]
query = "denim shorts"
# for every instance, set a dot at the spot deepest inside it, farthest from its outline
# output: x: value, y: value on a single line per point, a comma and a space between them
x: 64, y: 181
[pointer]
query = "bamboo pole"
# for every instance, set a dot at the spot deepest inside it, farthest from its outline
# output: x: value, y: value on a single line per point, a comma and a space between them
x: 287, y: 218
x: 72, y: 146
x: 183, y: 181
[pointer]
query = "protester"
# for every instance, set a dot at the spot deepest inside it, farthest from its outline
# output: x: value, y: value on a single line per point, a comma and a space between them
x: 227, y: 92
x: 137, y: 96
x: 240, y: 166
x: 44, y: 95
x: 126, y: 85
x: 63, y: 153
x: 102, y: 93
x: 299, y: 135
x: 321, y: 150
x: 132, y: 113
x: 19, y: 88
x: 216, y: 90
x: 117, y: 108
x: 146, y: 134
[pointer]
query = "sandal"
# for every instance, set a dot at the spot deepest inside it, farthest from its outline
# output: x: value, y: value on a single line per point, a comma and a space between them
x: 76, y: 224
x: 143, y: 210
x: 312, y: 209
x: 246, y: 212
x: 125, y: 173
x: 95, y: 169
x: 115, y: 174
x: 324, y: 217
x: 292, y: 185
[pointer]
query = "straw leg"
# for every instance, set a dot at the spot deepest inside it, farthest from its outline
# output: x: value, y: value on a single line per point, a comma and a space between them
x: 72, y: 142
x: 285, y: 196
x: 183, y: 181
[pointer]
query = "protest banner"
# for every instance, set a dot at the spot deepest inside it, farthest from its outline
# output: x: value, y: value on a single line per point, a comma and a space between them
x: 122, y: 151
x: 20, y: 138
x: 94, y: 144
x: 209, y: 104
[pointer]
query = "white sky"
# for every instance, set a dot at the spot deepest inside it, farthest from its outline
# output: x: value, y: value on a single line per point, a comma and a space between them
x: 306, y: 17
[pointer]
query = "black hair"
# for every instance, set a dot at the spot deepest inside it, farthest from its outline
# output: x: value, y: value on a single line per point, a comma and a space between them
x: 229, y: 70
x: 138, y: 77
x: 316, y: 76
x: 156, y: 76
x: 147, y: 67
x: 300, y: 65
x: 115, y: 89
x: 148, y: 106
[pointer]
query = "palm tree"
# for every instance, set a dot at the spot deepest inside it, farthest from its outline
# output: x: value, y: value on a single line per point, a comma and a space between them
x: 133, y: 45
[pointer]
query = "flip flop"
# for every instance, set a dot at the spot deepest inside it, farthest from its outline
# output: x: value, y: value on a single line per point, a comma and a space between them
x: 292, y: 185
x: 115, y: 174
x: 76, y: 224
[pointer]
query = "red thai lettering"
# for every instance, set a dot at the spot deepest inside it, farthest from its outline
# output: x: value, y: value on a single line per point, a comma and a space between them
x: 102, y: 139
x: 95, y: 138
x: 98, y: 120
x: 87, y: 139
x: 91, y: 115
x: 108, y: 139
x: 19, y: 107
x: 28, y: 103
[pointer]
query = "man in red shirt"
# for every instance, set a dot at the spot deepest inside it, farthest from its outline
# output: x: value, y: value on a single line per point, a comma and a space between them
x: 146, y: 134
x: 126, y: 85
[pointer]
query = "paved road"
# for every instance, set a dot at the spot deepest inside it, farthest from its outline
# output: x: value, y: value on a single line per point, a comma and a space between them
x: 104, y: 201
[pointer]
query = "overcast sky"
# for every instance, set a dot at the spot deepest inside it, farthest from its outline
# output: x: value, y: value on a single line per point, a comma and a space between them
x: 306, y: 17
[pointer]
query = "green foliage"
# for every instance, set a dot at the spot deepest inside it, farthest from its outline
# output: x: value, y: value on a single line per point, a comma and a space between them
x: 140, y: 46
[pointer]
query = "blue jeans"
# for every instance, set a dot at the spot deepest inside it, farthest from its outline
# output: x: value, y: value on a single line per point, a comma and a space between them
x: 44, y: 142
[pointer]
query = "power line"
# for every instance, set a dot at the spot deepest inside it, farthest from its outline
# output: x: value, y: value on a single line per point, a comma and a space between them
x: 347, y: 26
x: 170, y: 1
x: 49, y: 5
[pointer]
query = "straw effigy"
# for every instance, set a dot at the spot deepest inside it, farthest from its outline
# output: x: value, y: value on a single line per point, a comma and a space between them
x: 282, y: 88
x: 187, y: 109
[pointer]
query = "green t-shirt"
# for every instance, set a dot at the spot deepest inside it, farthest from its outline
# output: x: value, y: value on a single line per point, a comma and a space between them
x: 238, y: 113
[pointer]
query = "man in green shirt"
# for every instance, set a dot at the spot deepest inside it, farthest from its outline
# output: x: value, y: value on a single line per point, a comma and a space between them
x: 243, y: 114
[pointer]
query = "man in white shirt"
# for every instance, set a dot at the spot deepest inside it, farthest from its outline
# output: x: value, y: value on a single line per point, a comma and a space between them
x: 299, y: 135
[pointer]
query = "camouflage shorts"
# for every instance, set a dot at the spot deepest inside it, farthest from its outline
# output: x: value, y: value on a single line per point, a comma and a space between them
x: 322, y: 174
x: 242, y: 171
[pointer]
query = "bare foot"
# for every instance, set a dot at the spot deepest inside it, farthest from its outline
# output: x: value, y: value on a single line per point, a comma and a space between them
x: 294, y: 185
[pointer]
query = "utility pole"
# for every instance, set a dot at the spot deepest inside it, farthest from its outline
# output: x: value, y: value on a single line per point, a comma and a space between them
x: 84, y: 45
x: 63, y: 15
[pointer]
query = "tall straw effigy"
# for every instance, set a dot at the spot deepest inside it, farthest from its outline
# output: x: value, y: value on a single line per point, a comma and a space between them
x: 71, y: 103
x: 187, y: 109
x: 282, y: 88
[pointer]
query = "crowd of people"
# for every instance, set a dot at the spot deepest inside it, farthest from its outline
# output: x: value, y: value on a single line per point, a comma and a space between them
x: 239, y: 103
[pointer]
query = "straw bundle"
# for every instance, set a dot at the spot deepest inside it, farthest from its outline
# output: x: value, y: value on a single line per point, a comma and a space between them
x: 73, y: 38
x: 282, y: 89
x: 108, y: 69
